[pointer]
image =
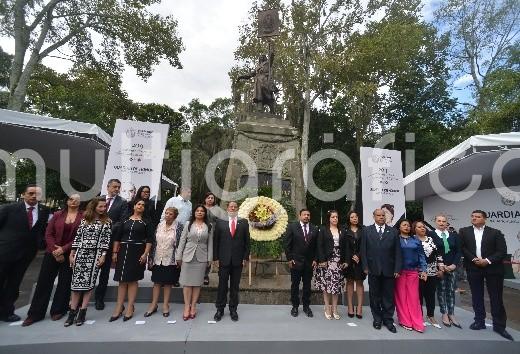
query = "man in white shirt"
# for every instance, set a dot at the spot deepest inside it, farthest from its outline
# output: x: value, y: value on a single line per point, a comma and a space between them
x: 484, y: 250
x: 182, y: 203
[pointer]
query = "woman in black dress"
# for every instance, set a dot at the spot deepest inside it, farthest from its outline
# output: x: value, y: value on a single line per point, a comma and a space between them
x: 354, y: 274
x: 132, y: 244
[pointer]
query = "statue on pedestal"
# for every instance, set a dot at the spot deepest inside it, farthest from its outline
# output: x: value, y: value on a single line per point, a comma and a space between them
x: 265, y: 88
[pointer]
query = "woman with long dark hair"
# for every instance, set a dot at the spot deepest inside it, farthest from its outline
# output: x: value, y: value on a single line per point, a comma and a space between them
x: 406, y: 292
x: 434, y: 269
x: 89, y: 250
x: 354, y: 274
x: 59, y: 235
x: 194, y: 252
x: 333, y: 258
x: 132, y: 244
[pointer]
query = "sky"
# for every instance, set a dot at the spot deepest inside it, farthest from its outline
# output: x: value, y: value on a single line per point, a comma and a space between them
x: 209, y: 29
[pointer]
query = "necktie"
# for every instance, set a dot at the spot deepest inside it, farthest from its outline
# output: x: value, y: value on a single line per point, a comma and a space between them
x: 233, y: 227
x: 30, y: 216
x: 305, y: 232
x: 380, y: 232
x: 109, y: 202
x: 445, y: 241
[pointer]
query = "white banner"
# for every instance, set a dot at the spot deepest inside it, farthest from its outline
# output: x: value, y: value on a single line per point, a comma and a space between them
x: 382, y: 184
x: 503, y: 214
x: 136, y: 157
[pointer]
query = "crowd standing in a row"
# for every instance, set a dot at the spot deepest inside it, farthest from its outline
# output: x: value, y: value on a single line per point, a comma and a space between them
x: 405, y: 266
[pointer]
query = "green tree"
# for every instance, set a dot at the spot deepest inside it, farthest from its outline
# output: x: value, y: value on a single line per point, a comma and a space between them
x: 128, y: 32
x: 482, y: 32
x: 5, y: 64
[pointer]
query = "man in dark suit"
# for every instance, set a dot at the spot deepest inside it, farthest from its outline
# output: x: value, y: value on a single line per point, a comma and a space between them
x: 381, y: 260
x: 300, y: 250
x: 231, y: 245
x: 117, y: 209
x: 22, y: 229
x: 484, y: 250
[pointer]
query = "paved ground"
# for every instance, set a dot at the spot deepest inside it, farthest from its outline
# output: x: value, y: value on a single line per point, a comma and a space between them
x: 261, y: 329
x: 511, y: 296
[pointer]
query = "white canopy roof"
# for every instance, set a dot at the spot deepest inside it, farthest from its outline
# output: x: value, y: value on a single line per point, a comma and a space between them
x: 474, y: 156
x: 47, y: 136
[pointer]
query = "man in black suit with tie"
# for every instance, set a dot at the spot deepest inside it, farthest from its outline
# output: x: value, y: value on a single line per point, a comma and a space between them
x: 300, y: 251
x: 22, y: 229
x: 381, y: 259
x: 484, y: 250
x: 117, y: 210
x: 231, y: 245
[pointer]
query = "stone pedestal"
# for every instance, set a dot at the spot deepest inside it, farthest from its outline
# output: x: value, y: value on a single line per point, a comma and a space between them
x: 265, y: 139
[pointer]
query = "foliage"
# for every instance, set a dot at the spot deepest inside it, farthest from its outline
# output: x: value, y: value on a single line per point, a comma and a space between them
x: 104, y: 32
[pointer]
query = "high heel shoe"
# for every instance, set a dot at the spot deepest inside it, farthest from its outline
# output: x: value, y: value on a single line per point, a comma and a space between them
x: 115, y: 318
x: 148, y: 314
x: 186, y: 317
x: 167, y: 313
x: 81, y: 317
x: 351, y: 315
x: 335, y: 314
x: 127, y: 318
x: 359, y: 315
x: 327, y: 315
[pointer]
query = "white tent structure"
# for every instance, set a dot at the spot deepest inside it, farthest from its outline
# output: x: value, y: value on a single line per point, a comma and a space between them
x: 48, y: 136
x: 479, y: 155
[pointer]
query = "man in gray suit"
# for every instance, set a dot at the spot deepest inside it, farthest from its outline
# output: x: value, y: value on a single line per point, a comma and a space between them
x: 381, y: 259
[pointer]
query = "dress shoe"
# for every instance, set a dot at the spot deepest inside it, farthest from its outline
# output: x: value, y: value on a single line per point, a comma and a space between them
x: 12, y: 318
x: 28, y: 321
x: 294, y: 311
x: 455, y: 324
x: 477, y: 325
x: 70, y: 319
x: 391, y: 327
x: 127, y: 318
x: 307, y: 310
x: 82, y: 314
x: 57, y: 316
x: 359, y: 316
x: 234, y: 315
x: 149, y: 313
x: 351, y: 315
x: 504, y: 334
x: 377, y: 325
x: 115, y: 318
x: 218, y: 315
x: 100, y: 305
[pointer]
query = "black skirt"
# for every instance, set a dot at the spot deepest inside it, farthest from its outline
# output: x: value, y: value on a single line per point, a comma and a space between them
x: 166, y: 275
x: 128, y: 268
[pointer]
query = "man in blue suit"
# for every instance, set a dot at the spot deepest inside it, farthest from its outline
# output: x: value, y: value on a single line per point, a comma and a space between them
x: 381, y: 260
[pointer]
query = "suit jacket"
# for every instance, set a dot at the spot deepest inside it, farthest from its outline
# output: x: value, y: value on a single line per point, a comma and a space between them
x: 381, y: 256
x: 54, y: 232
x: 295, y: 246
x: 326, y: 246
x: 191, y: 245
x: 17, y: 240
x: 493, y: 247
x: 453, y: 256
x: 230, y: 250
x: 354, y: 243
x: 118, y: 211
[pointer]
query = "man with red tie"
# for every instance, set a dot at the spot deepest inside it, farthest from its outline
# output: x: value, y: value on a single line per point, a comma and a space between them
x: 22, y: 229
x: 300, y: 250
x: 231, y: 244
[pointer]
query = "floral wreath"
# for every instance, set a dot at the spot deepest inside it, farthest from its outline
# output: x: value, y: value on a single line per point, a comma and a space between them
x: 267, y: 218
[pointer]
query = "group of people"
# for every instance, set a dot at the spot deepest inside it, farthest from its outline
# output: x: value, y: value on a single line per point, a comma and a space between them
x: 406, y: 265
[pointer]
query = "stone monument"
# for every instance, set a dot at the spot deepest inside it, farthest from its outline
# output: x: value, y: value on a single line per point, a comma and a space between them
x: 270, y: 141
